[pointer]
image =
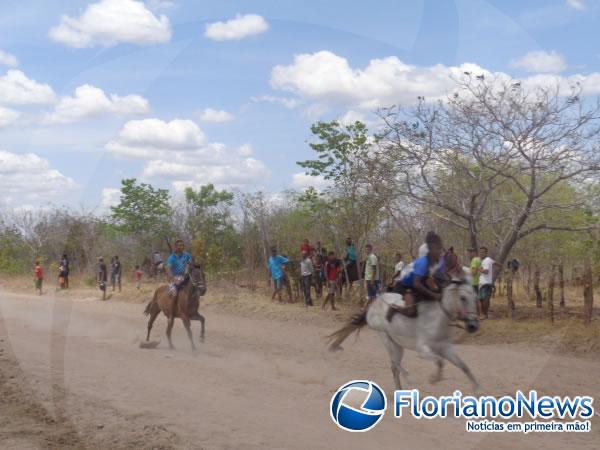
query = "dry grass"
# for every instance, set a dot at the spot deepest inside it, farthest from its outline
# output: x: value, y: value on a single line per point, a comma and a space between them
x: 530, y: 326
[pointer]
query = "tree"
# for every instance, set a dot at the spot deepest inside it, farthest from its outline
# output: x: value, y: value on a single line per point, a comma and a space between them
x: 210, y: 225
x: 143, y: 211
x: 344, y: 158
x: 454, y: 156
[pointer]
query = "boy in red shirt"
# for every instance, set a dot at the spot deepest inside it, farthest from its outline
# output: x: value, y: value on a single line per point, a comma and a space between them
x: 306, y: 247
x: 138, y: 277
x: 39, y: 277
x: 333, y: 271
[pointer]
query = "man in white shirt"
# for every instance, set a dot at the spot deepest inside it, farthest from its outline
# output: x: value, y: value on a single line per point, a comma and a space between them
x: 397, y: 269
x: 306, y: 270
x: 486, y: 281
x: 371, y: 273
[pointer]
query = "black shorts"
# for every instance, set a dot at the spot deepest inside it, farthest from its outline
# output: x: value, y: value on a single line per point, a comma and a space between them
x: 485, y: 291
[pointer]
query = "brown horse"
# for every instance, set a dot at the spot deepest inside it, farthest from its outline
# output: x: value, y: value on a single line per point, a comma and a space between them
x: 186, y: 308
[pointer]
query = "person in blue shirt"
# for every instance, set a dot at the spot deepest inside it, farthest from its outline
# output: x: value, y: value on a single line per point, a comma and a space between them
x: 423, y: 282
x: 177, y: 269
x: 351, y: 269
x: 276, y: 266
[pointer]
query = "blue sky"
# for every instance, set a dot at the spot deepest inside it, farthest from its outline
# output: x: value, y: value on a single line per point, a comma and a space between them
x: 99, y: 90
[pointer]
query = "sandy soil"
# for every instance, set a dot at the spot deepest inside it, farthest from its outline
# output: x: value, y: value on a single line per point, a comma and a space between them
x: 72, y: 375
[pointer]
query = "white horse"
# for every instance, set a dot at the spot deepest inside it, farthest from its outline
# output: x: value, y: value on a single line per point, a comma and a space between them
x: 429, y: 330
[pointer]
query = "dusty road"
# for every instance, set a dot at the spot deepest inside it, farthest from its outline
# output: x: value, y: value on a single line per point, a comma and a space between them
x: 72, y: 376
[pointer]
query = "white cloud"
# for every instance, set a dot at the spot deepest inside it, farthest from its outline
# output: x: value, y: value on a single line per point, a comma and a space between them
x: 178, y: 151
x: 325, y: 76
x: 579, y: 5
x: 29, y: 178
x: 90, y: 101
x: 327, y: 80
x: 8, y: 59
x: 302, y: 180
x: 109, y: 197
x: 541, y: 62
x: 155, y: 138
x: 215, y: 115
x: 289, y: 103
x: 8, y: 117
x: 353, y: 116
x: 238, y: 28
x: 16, y: 88
x: 110, y: 22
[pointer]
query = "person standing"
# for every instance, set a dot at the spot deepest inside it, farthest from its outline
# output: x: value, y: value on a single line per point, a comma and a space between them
x: 65, y: 264
x: 486, y: 281
x: 306, y: 271
x: 116, y: 273
x: 276, y: 263
x: 398, y: 268
x: 372, y: 274
x: 319, y: 261
x: 138, y: 277
x: 351, y: 263
x: 333, y: 272
x: 39, y: 277
x: 306, y: 247
x: 101, y: 276
x: 474, y: 266
x: 156, y: 262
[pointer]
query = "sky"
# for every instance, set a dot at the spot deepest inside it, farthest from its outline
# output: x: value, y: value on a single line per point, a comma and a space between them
x: 188, y: 92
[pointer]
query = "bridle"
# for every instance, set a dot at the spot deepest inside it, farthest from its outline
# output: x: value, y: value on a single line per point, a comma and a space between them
x: 196, y: 284
x: 453, y: 319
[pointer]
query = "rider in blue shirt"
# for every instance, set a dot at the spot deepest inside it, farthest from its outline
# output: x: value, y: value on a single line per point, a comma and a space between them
x: 420, y: 283
x: 177, y: 268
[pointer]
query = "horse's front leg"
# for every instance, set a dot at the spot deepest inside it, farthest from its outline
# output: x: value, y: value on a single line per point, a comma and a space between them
x: 438, y: 375
x: 448, y: 353
x: 188, y: 329
x: 200, y: 318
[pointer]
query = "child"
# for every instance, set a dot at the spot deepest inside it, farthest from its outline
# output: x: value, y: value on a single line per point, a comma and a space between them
x: 39, y: 277
x: 138, y: 277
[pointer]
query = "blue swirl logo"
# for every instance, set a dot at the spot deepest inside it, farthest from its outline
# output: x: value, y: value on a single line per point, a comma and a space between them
x: 358, y: 405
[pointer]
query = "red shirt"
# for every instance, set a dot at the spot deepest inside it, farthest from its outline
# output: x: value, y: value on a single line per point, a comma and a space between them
x: 138, y: 275
x: 332, y: 269
x: 39, y: 273
x: 307, y: 248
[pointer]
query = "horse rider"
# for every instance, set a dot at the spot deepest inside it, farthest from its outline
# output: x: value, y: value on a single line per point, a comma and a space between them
x: 424, y: 282
x: 177, y: 270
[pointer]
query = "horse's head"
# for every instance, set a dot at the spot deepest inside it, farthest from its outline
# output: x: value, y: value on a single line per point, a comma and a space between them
x: 460, y: 302
x: 197, y: 278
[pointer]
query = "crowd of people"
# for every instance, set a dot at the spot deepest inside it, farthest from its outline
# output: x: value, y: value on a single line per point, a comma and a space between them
x: 325, y: 273
x: 420, y: 280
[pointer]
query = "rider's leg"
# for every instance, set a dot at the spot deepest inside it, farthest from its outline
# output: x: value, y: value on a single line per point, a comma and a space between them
x: 409, y: 309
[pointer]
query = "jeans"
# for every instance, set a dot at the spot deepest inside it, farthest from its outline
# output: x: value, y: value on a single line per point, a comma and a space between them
x: 306, y: 285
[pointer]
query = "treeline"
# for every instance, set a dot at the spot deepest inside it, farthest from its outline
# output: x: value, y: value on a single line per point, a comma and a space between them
x: 494, y: 164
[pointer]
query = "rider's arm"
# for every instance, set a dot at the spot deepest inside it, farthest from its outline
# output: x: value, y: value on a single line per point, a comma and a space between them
x: 419, y: 286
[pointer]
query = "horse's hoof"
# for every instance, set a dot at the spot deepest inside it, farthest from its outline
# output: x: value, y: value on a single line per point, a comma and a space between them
x: 336, y: 348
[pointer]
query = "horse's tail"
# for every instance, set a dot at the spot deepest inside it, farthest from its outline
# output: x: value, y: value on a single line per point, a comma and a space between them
x: 354, y: 325
x: 150, y: 303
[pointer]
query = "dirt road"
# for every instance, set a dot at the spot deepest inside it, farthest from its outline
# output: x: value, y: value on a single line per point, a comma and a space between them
x: 73, y: 376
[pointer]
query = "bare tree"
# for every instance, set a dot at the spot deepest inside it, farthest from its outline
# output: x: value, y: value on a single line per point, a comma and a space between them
x: 492, y: 156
